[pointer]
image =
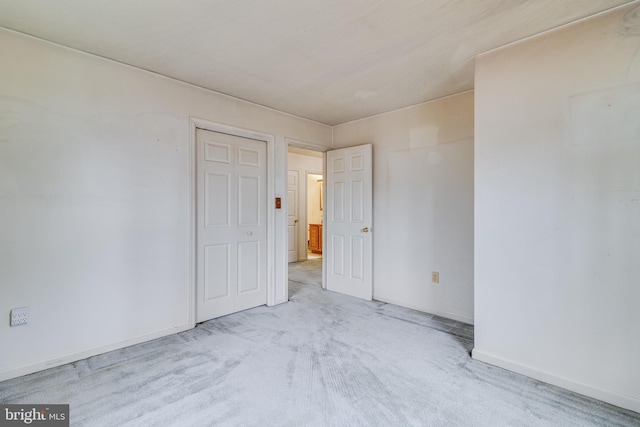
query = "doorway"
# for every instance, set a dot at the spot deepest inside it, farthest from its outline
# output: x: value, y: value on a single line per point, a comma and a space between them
x: 346, y: 224
x: 305, y: 215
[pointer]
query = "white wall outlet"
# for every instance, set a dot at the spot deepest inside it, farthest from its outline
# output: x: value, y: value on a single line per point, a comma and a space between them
x: 19, y: 316
x: 435, y: 277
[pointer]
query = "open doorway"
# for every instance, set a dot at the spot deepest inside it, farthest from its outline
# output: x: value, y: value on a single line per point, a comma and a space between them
x: 314, y: 215
x: 346, y: 221
x: 305, y: 204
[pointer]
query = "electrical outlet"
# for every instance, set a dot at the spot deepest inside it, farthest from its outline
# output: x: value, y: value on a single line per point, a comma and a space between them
x: 435, y: 277
x: 19, y: 316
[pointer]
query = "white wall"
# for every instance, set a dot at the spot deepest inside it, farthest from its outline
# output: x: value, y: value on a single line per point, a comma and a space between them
x: 95, y: 199
x: 422, y: 203
x: 557, y: 210
x: 303, y: 164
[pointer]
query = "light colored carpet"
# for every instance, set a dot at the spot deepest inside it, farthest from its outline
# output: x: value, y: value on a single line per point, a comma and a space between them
x: 322, y: 359
x: 309, y: 272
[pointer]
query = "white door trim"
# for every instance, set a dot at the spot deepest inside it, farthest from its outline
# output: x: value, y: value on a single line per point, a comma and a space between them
x: 195, y: 122
x: 298, y: 224
x: 306, y: 145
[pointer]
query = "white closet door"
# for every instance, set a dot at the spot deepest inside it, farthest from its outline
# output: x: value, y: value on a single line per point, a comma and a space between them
x: 231, y: 224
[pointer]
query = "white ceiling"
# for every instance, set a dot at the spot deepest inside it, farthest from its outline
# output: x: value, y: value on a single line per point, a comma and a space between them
x: 331, y: 61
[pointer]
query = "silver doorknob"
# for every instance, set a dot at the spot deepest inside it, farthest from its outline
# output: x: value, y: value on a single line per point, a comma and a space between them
x: 365, y: 230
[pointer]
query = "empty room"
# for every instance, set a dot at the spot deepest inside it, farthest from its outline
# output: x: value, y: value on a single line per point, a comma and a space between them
x: 420, y: 212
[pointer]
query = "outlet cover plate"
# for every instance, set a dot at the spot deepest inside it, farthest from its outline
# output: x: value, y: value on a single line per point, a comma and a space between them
x: 435, y: 277
x: 19, y: 316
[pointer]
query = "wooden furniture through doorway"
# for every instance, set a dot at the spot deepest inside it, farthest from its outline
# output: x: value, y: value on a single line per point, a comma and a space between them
x: 315, y: 238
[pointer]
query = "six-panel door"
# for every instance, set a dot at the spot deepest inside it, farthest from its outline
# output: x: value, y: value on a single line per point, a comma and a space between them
x: 231, y: 224
x: 348, y: 221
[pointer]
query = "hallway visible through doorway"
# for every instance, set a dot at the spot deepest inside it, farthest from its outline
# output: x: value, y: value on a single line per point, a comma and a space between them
x: 305, y: 203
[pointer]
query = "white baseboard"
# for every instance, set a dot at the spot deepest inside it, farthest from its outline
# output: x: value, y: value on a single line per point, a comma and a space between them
x: 624, y: 401
x: 449, y: 315
x: 7, y: 374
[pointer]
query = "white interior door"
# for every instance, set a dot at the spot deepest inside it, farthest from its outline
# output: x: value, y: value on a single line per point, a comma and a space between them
x: 231, y: 224
x: 348, y: 219
x: 292, y: 215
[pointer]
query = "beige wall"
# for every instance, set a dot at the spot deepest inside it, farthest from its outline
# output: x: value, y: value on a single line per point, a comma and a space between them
x: 422, y: 203
x: 95, y: 187
x: 303, y: 165
x: 314, y: 213
x: 557, y: 208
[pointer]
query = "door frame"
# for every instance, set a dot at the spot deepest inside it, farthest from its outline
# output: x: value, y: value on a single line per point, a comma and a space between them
x: 299, y: 223
x: 199, y: 123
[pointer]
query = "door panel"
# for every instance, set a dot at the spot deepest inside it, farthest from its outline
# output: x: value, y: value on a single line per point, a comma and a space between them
x: 337, y: 255
x: 349, y: 219
x: 231, y: 224
x: 249, y: 197
x: 216, y: 271
x: 357, y: 258
x: 357, y: 201
x: 337, y: 205
x: 217, y: 212
x: 248, y: 266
